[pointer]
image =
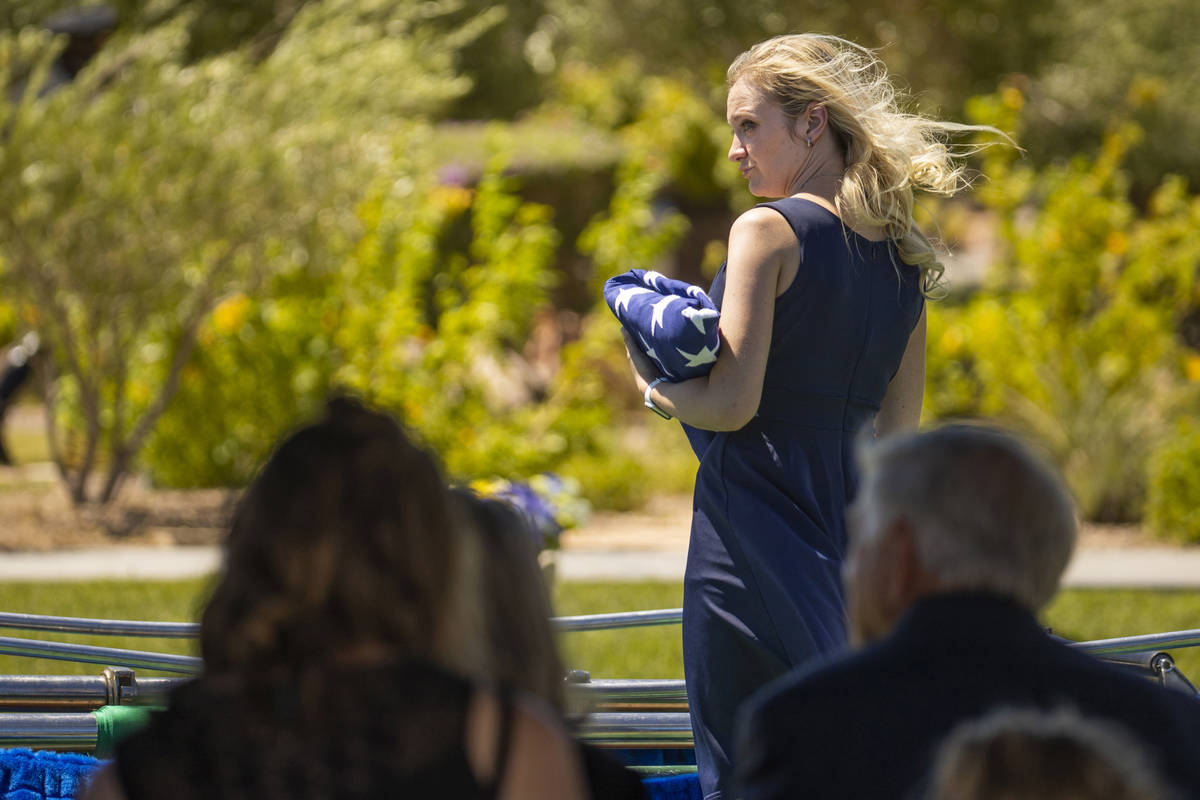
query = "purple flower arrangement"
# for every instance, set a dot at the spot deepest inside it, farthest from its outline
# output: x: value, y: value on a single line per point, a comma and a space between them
x: 549, y: 502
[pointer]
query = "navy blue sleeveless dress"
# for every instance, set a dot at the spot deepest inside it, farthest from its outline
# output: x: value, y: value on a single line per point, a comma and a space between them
x: 762, y: 589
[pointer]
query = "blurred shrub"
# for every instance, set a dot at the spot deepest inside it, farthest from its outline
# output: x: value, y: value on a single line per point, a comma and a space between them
x: 1173, y: 505
x: 1076, y: 337
x: 440, y: 295
x: 1084, y: 62
x: 227, y: 176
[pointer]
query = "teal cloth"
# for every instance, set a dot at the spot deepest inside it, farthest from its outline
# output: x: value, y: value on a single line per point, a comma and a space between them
x: 43, y: 775
x: 114, y: 723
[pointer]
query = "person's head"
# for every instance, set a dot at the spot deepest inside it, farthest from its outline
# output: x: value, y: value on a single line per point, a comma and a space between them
x: 835, y: 105
x: 521, y: 649
x: 1019, y: 754
x: 959, y: 508
x: 343, y: 543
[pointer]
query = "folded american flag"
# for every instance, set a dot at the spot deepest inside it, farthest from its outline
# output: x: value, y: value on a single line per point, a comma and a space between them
x: 673, y: 322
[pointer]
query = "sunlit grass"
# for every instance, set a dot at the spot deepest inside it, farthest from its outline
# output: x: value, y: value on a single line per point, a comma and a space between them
x: 168, y: 601
x: 630, y: 653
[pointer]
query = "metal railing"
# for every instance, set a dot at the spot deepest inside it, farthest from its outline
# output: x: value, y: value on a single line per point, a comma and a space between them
x: 191, y: 630
x: 44, y: 711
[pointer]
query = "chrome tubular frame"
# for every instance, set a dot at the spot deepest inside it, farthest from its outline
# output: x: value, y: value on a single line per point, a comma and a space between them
x: 91, y: 654
x: 100, y: 627
x: 44, y: 711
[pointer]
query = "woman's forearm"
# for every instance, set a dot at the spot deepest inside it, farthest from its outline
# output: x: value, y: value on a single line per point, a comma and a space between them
x: 707, y: 402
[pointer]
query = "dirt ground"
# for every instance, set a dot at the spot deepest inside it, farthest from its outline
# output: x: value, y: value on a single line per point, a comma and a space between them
x: 36, y: 514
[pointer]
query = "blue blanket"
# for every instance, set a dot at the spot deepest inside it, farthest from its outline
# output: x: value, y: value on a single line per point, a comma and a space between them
x: 43, y: 775
x: 676, y: 787
x: 674, y: 323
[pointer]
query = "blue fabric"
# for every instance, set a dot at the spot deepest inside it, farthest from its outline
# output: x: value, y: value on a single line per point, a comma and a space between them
x: 675, y: 787
x: 762, y: 588
x: 674, y: 322
x: 43, y: 775
x: 654, y: 756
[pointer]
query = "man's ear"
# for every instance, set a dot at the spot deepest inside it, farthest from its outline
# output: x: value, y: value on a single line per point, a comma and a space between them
x: 908, y: 577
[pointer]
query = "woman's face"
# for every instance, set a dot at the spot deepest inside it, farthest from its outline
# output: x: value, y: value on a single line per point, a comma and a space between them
x: 763, y: 147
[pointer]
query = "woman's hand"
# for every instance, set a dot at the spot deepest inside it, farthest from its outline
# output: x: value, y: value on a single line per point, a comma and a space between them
x: 644, y: 370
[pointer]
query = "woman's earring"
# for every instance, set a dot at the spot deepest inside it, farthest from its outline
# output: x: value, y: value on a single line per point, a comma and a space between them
x: 810, y: 141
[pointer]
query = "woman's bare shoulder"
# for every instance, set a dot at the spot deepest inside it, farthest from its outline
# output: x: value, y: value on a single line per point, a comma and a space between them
x: 542, y: 760
x: 763, y: 221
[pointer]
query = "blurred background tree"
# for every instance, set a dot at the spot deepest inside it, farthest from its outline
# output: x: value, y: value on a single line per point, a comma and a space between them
x: 424, y: 198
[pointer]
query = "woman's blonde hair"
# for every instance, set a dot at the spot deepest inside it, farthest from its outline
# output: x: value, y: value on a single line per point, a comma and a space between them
x: 1031, y: 754
x: 888, y: 152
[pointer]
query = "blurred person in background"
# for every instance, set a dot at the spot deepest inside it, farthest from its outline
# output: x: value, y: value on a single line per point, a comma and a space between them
x: 958, y: 538
x: 522, y: 648
x: 334, y: 645
x: 822, y: 333
x: 1024, y: 754
x: 18, y: 367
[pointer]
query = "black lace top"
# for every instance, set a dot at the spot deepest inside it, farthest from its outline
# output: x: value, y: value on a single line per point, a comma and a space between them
x: 393, y: 731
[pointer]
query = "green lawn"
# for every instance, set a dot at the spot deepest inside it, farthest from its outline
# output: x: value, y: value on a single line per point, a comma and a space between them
x: 26, y: 446
x: 174, y: 601
x: 630, y: 653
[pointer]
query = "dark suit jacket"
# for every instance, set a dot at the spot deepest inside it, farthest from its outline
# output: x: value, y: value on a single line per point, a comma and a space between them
x: 868, y: 725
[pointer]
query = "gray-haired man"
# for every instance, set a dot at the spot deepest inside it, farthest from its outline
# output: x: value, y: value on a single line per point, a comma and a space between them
x: 958, y: 537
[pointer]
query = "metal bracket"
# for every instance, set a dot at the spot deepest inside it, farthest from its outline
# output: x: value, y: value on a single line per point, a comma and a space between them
x: 120, y: 686
x: 1170, y: 677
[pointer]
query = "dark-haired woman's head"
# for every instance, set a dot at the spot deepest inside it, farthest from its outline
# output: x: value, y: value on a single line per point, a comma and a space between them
x: 521, y: 650
x: 343, y: 543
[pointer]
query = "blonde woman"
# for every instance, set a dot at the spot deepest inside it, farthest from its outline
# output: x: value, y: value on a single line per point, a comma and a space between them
x: 823, y: 334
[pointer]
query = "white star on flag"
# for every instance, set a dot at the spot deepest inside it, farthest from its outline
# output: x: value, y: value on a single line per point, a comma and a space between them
x: 649, y: 351
x: 628, y: 293
x: 651, y: 277
x: 705, y: 356
x: 661, y: 306
x: 699, y: 315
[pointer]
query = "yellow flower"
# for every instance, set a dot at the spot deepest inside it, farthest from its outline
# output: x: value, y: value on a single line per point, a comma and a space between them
x: 453, y: 199
x: 1116, y: 243
x: 951, y: 341
x: 1053, y: 240
x: 230, y: 314
x: 1012, y: 98
x: 1191, y: 367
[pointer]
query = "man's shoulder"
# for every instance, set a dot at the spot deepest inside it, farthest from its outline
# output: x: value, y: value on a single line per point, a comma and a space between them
x: 832, y: 682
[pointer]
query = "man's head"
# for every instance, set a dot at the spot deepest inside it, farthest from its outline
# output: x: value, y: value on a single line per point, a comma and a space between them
x: 958, y: 508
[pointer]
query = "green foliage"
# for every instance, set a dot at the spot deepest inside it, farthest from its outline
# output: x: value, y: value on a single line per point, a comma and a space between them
x: 1075, y: 338
x: 1108, y: 60
x: 232, y: 176
x: 196, y: 217
x: 457, y: 279
x: 1173, y: 506
x: 259, y: 368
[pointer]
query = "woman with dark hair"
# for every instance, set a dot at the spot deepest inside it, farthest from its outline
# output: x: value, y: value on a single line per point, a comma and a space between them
x: 522, y: 651
x: 329, y: 645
